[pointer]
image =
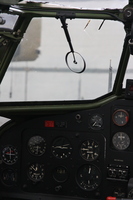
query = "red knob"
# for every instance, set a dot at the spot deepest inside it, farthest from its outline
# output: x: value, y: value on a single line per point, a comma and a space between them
x: 111, y: 198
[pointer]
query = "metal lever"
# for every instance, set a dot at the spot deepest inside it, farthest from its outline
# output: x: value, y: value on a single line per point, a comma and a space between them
x: 74, y: 54
x: 64, y: 26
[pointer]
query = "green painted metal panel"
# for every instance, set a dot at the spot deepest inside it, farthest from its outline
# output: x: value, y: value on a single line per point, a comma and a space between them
x: 9, y: 2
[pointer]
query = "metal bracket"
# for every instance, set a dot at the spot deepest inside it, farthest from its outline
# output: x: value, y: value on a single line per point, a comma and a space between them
x: 9, y: 34
x: 6, y: 36
x: 66, y: 15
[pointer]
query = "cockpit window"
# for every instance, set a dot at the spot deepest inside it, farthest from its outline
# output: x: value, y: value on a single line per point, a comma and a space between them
x: 38, y: 71
x: 89, y: 4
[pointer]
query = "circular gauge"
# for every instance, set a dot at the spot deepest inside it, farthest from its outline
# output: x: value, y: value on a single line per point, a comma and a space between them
x: 89, y: 150
x: 88, y: 177
x: 9, y: 155
x: 36, y: 172
x: 130, y: 194
x: 37, y: 145
x: 96, y: 122
x: 120, y: 117
x: 60, y: 174
x: 61, y: 148
x: 9, y: 177
x: 121, y: 141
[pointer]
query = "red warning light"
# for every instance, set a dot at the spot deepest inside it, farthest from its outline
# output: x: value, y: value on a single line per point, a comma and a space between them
x: 49, y: 124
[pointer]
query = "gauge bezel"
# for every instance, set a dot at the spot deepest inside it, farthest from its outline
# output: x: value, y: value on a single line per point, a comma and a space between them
x: 118, y: 143
x: 98, y: 149
x: 13, y: 158
x: 31, y: 149
x: 58, y: 145
x: 41, y: 166
x: 130, y: 194
x: 11, y: 180
x: 97, y: 120
x: 63, y: 178
x: 82, y: 184
x: 116, y: 114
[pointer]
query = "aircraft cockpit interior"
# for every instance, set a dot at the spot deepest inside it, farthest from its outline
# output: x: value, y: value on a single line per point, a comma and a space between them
x: 66, y: 100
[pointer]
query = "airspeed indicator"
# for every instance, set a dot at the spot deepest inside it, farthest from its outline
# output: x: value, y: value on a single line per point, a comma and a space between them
x: 37, y: 145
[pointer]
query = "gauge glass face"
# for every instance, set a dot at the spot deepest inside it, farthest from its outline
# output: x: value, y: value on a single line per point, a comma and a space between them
x: 121, y: 141
x: 9, y: 177
x: 37, y: 145
x: 88, y: 177
x: 9, y: 155
x: 36, y: 172
x: 89, y: 150
x: 61, y: 148
x: 96, y: 122
x: 60, y: 174
x: 120, y: 117
x: 130, y: 194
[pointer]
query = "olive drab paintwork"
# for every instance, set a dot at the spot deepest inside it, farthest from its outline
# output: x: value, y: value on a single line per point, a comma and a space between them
x: 75, y: 149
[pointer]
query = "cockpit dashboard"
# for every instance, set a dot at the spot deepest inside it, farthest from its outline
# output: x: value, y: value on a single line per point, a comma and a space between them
x: 76, y: 149
x: 85, y: 154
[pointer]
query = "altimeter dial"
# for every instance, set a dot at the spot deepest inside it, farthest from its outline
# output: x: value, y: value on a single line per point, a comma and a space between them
x: 89, y: 177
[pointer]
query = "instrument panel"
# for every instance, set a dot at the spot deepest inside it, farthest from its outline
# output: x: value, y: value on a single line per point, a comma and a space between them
x: 85, y: 154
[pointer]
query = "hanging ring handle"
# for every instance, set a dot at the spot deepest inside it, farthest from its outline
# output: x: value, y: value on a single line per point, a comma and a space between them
x: 78, y: 62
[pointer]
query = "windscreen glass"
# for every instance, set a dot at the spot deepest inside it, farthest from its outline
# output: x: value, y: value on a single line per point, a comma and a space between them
x: 46, y: 66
